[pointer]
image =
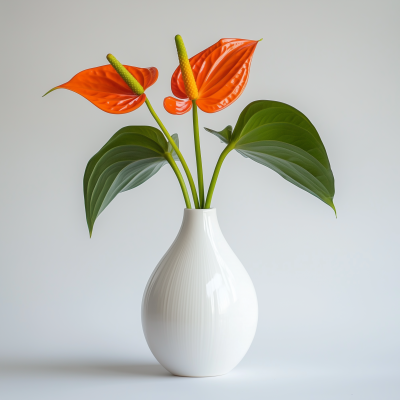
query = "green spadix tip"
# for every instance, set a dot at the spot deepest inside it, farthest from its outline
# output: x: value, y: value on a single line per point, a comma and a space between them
x: 180, y: 46
x: 129, y: 79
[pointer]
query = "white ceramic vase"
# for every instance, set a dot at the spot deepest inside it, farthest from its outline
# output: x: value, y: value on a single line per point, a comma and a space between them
x: 199, y: 309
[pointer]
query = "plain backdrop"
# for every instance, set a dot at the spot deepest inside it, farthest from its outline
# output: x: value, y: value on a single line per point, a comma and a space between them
x: 328, y: 288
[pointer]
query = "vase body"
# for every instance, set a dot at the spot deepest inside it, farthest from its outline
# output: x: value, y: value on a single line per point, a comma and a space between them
x: 199, y: 309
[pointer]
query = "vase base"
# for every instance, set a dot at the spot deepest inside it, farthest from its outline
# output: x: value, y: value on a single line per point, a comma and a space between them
x: 199, y: 376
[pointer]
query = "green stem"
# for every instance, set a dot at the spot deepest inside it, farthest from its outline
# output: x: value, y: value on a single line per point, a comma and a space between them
x: 221, y: 159
x: 198, y: 154
x: 178, y: 174
x: 178, y: 152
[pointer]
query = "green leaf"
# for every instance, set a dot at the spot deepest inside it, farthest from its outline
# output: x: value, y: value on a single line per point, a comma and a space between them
x: 131, y: 157
x: 224, y: 135
x: 175, y: 138
x: 280, y: 137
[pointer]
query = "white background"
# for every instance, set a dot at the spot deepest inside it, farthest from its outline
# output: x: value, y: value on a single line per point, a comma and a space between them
x: 328, y: 288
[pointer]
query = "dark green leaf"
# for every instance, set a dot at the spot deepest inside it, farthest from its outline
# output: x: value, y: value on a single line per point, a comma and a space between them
x: 280, y: 137
x: 132, y: 156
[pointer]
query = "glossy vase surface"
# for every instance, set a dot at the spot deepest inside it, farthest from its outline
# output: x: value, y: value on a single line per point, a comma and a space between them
x: 199, y: 309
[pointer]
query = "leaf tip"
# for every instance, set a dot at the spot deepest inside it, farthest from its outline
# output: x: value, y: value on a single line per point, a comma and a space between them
x: 57, y: 87
x: 333, y: 208
x: 261, y: 39
x: 90, y: 227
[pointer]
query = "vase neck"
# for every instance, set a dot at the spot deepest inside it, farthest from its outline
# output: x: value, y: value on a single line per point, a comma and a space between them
x: 202, y: 221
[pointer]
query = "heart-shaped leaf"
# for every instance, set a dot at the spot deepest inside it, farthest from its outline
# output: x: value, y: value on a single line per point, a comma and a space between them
x: 280, y: 137
x: 131, y: 157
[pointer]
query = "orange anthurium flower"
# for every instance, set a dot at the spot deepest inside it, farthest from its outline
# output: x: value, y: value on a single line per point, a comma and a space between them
x: 107, y: 90
x: 221, y: 73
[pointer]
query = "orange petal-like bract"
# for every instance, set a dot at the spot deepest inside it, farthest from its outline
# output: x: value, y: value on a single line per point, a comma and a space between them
x: 103, y: 87
x: 177, y: 107
x: 221, y: 73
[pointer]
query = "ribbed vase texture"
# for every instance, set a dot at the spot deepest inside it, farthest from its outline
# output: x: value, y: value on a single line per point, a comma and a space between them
x: 199, y: 309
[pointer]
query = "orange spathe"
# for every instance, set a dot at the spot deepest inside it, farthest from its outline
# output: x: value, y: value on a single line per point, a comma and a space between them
x: 104, y: 87
x: 221, y: 73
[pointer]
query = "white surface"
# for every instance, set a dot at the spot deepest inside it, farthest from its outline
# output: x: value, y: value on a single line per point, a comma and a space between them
x: 144, y: 380
x: 328, y: 289
x: 199, y: 309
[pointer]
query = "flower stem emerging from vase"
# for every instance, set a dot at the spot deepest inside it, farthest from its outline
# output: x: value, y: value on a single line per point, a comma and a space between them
x: 221, y: 159
x: 178, y: 174
x: 198, y: 154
